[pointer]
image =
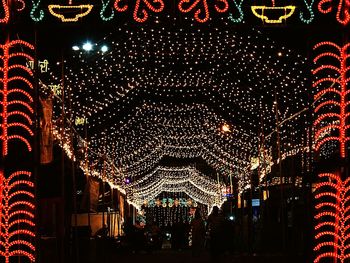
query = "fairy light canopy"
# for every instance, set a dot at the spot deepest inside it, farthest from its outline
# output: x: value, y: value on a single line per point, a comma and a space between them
x: 161, y: 92
x: 180, y: 179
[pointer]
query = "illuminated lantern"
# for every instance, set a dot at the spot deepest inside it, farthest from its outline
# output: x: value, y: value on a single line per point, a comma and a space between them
x: 78, y: 11
x: 16, y: 109
x: 267, y: 13
x: 331, y: 98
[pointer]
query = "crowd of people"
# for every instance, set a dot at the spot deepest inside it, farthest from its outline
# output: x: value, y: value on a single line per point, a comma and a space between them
x: 212, y: 234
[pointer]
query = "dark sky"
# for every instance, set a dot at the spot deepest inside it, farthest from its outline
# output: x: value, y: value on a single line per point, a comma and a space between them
x: 54, y: 35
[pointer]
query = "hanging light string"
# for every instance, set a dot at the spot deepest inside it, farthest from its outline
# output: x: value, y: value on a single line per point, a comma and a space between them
x: 123, y: 94
x: 175, y: 179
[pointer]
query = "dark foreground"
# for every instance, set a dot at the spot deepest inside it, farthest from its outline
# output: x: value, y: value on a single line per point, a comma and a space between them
x: 107, y: 252
x: 170, y: 256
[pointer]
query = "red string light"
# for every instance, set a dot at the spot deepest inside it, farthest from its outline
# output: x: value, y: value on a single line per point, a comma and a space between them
x: 343, y: 10
x: 156, y: 6
x: 6, y: 11
x: 10, y: 92
x: 224, y: 8
x: 119, y: 8
x: 144, y: 12
x: 328, y: 85
x: 17, y: 217
x: 202, y: 11
x: 198, y: 11
x: 332, y: 220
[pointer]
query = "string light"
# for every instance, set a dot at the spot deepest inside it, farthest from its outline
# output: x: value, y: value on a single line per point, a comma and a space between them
x: 327, y: 107
x: 9, y: 127
x: 17, y: 213
x: 149, y: 186
x: 70, y: 8
x: 158, y: 6
x: 131, y: 115
x: 197, y: 12
x: 200, y: 8
x: 332, y: 218
x: 118, y: 8
x: 21, y: 5
x: 39, y: 17
x: 144, y: 12
x: 221, y: 7
x: 240, y: 18
x: 310, y: 10
x: 342, y: 15
x: 288, y: 12
x: 105, y: 4
x: 6, y: 17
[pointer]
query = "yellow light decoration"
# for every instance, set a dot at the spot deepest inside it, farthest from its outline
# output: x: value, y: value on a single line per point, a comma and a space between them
x: 288, y: 12
x: 70, y: 8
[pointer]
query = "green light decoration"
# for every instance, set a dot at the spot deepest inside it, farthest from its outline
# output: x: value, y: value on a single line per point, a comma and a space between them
x: 311, y: 12
x: 35, y: 16
x: 105, y: 4
x: 239, y: 19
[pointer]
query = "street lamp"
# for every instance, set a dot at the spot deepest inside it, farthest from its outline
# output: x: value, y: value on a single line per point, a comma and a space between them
x: 87, y: 46
x: 104, y: 48
x: 225, y: 128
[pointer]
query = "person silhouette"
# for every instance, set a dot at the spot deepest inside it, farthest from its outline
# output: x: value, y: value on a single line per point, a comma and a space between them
x: 198, y: 234
x: 215, y: 227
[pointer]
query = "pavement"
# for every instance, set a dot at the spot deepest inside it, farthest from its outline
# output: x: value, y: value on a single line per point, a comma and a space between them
x: 185, y: 256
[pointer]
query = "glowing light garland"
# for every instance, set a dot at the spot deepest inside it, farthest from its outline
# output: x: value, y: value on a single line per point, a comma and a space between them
x: 182, y: 7
x: 112, y: 176
x: 332, y: 219
x: 311, y: 12
x: 127, y: 114
x: 288, y: 12
x: 105, y: 4
x: 176, y: 179
x: 150, y: 184
x: 21, y: 6
x: 6, y: 12
x: 56, y: 10
x: 240, y: 18
x: 223, y: 46
x: 200, y: 9
x: 156, y: 6
x: 343, y: 10
x: 36, y: 17
x: 331, y: 99
x: 17, y: 216
x: 10, y: 105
